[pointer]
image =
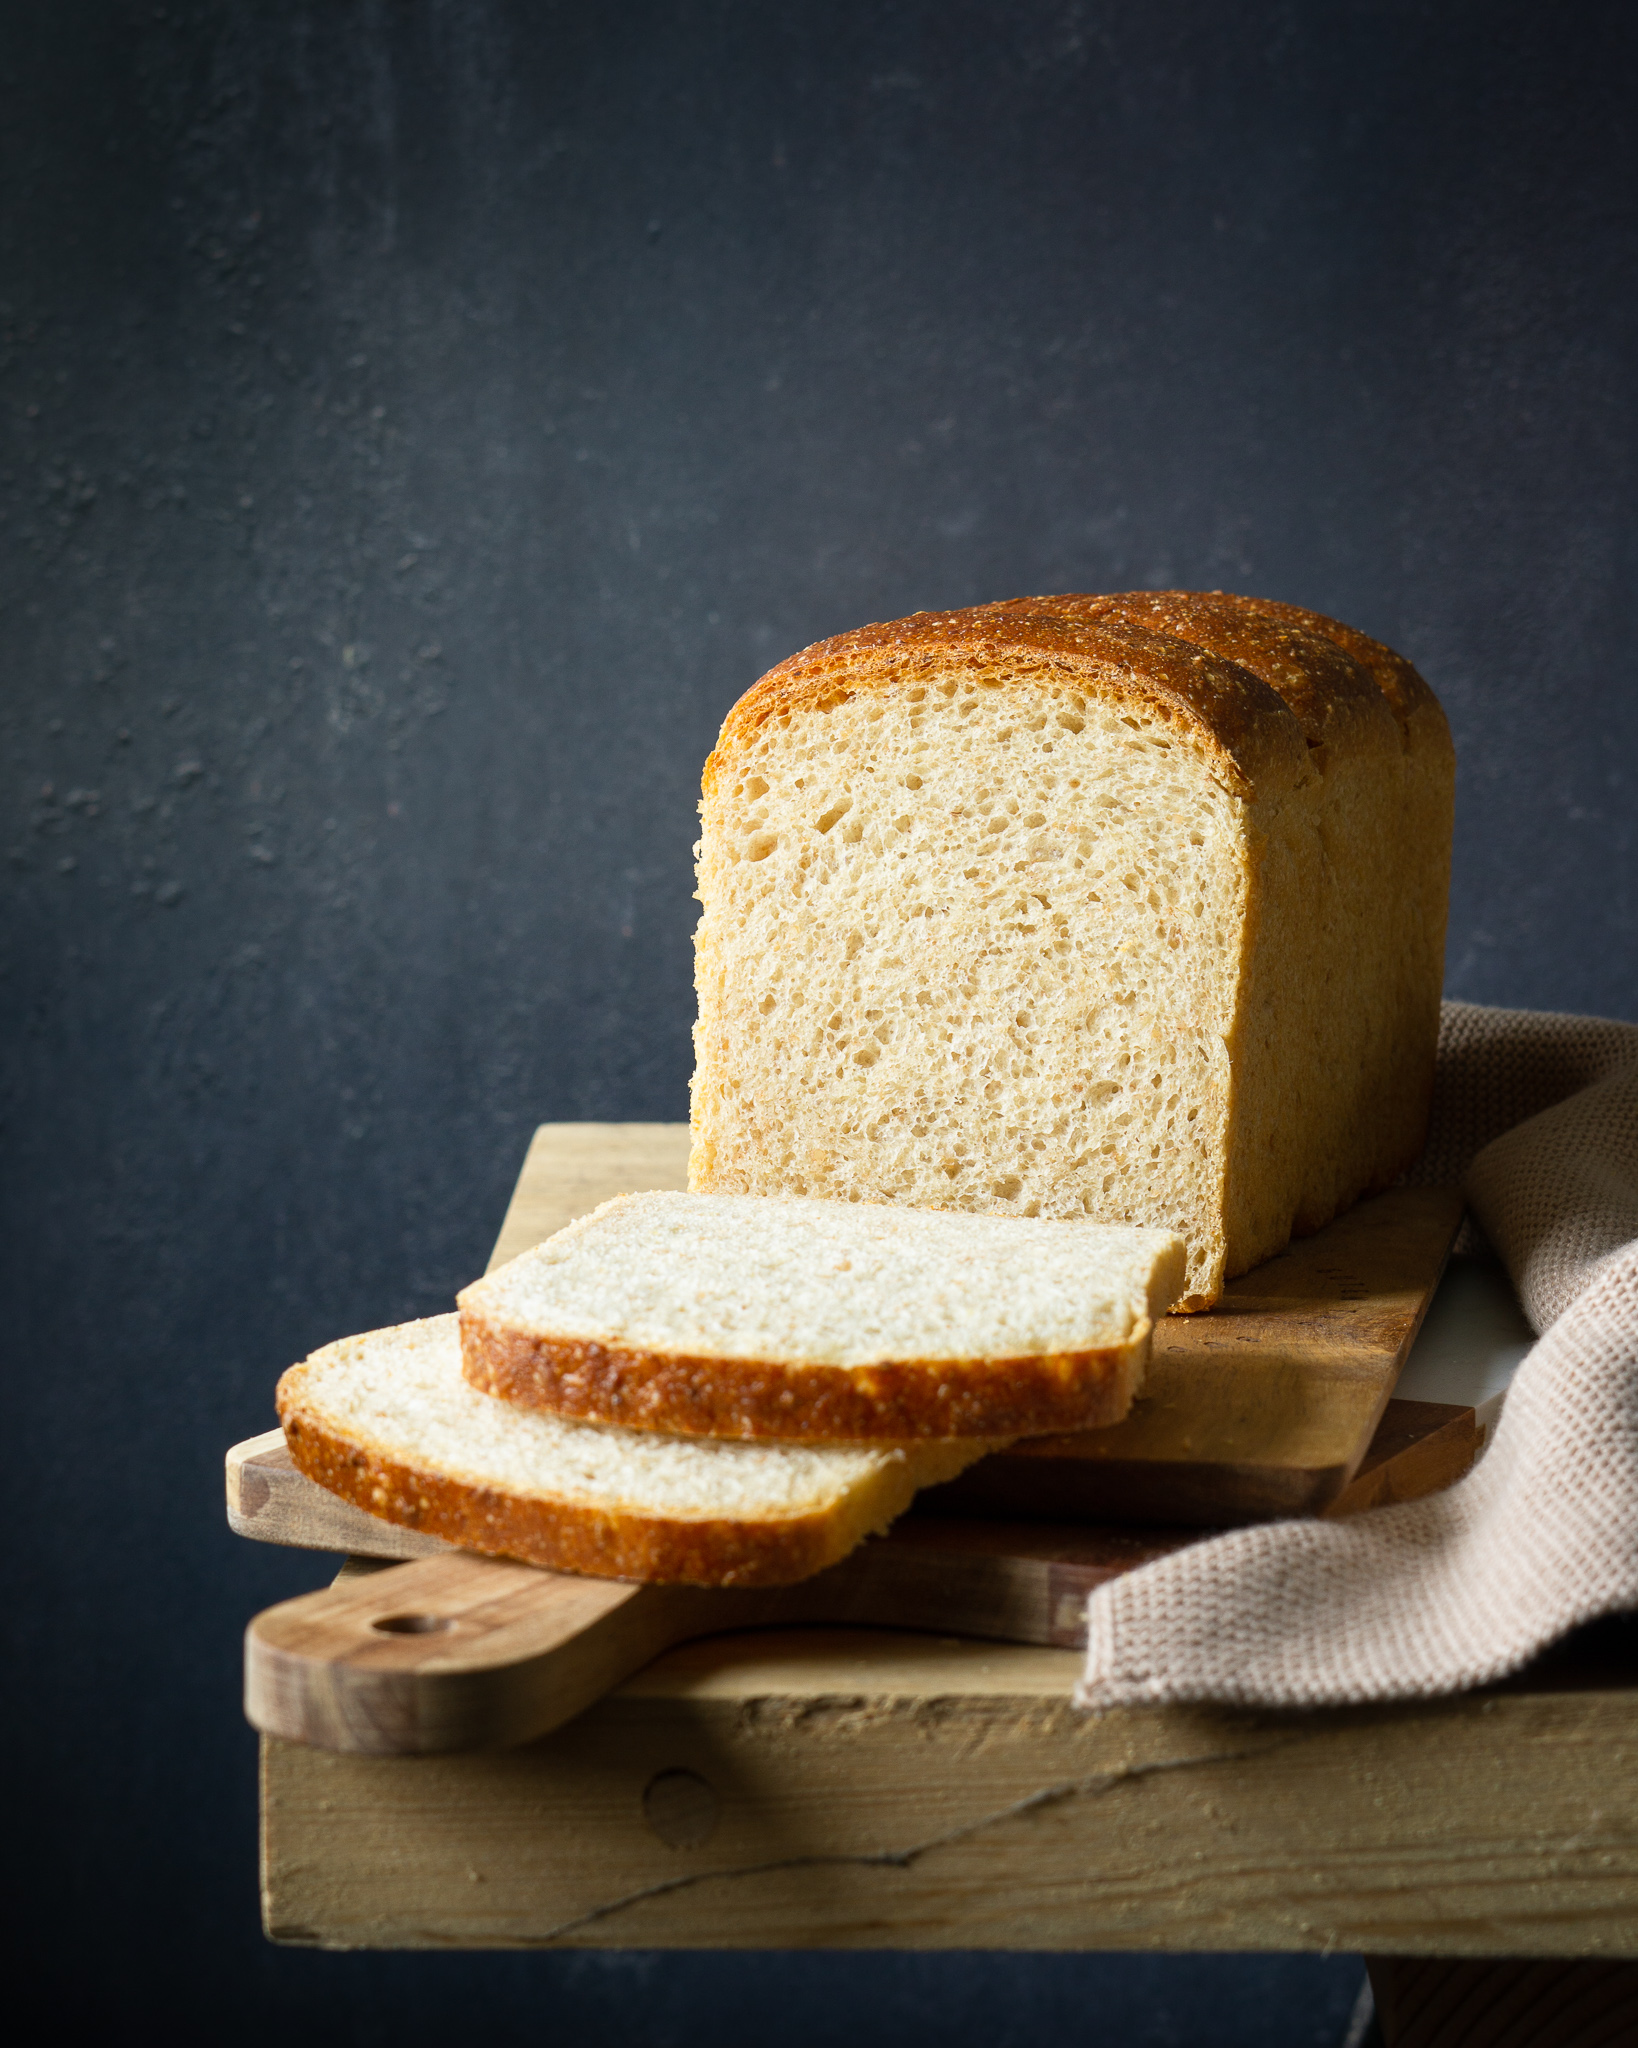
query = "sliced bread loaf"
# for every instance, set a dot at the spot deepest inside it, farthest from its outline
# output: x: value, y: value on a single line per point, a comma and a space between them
x: 1128, y: 908
x: 743, y: 1317
x: 387, y: 1421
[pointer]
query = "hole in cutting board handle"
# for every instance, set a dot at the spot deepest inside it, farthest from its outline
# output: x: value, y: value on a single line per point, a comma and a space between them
x: 412, y: 1624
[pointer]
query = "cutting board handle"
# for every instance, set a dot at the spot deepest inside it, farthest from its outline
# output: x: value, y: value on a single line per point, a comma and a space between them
x: 448, y: 1653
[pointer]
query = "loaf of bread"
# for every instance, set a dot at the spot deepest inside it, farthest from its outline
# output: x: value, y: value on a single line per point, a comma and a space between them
x: 388, y: 1422
x: 822, y: 1321
x: 1120, y: 908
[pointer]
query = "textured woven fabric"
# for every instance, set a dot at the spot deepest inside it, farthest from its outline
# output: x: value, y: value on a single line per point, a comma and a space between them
x: 1537, y: 1116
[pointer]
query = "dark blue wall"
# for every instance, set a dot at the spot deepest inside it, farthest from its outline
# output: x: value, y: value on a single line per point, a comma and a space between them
x: 418, y: 423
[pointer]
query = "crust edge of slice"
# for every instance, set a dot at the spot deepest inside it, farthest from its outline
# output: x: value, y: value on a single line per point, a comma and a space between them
x: 614, y: 1541
x: 895, y: 1402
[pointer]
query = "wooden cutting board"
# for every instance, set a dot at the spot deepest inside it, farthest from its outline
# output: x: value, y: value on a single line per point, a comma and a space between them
x: 449, y: 1651
x: 455, y: 1651
x: 1265, y: 1407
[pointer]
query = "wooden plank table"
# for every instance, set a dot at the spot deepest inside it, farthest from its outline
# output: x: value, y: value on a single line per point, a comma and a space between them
x: 828, y: 1788
x: 867, y: 1789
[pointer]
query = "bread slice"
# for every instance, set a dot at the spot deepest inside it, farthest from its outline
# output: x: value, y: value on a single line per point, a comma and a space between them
x: 387, y: 1421
x: 741, y: 1317
x: 1128, y: 908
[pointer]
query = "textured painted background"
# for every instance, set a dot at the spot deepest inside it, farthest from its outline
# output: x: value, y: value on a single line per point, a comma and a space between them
x: 418, y: 422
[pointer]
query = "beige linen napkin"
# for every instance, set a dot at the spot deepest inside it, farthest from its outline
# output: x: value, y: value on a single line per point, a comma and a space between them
x: 1537, y: 1116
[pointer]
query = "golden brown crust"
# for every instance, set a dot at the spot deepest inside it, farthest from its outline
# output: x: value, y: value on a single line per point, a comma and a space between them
x: 1407, y: 694
x: 1232, y: 714
x: 899, y: 1401
x: 567, y: 1536
x: 1332, y: 696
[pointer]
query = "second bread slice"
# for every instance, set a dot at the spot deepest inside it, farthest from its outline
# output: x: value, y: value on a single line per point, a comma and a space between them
x: 386, y: 1421
x: 739, y: 1316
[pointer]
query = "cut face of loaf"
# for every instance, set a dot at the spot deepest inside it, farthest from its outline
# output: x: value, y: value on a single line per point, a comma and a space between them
x: 387, y: 1421
x: 747, y: 1317
x: 1129, y: 909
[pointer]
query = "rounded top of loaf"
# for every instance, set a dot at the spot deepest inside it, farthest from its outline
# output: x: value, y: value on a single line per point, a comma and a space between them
x: 1255, y: 684
x: 1409, y: 697
x: 1237, y: 720
x: 1333, y: 699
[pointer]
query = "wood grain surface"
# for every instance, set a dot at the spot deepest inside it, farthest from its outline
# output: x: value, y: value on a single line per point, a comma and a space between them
x: 458, y: 1652
x: 798, y: 1789
x: 1420, y: 1447
x: 461, y: 1651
